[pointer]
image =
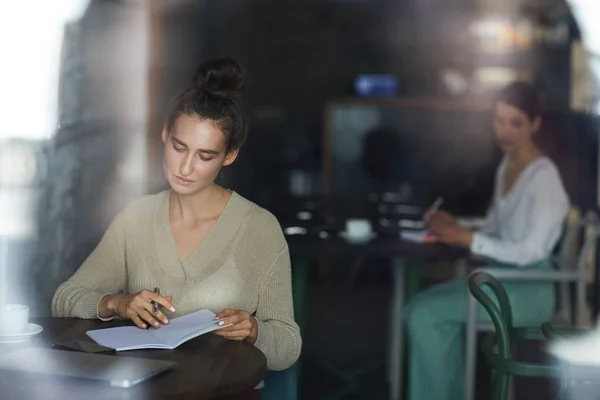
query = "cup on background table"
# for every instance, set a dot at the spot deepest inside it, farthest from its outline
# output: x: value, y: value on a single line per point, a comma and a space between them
x: 358, y: 229
x: 13, y: 318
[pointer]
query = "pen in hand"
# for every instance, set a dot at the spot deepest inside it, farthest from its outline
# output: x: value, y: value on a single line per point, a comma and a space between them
x: 154, y: 303
x: 434, y: 207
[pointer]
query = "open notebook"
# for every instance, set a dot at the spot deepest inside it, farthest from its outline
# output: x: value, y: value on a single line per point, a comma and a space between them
x: 179, y: 331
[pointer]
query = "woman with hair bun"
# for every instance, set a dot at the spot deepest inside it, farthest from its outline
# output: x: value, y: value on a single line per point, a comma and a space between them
x: 204, y: 246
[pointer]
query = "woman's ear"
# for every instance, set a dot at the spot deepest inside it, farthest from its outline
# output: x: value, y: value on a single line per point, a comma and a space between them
x: 230, y: 157
x: 537, y: 124
x: 165, y: 135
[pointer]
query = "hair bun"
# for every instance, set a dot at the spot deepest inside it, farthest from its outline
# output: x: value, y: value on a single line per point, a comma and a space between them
x: 223, y: 77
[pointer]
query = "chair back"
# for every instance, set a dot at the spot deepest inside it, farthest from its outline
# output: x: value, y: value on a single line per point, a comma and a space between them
x: 571, y: 254
x: 500, y: 312
x: 501, y: 360
x: 576, y: 257
x: 585, y: 261
x: 280, y: 385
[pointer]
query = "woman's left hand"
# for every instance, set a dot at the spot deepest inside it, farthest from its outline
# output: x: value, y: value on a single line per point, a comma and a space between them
x: 244, y: 327
x: 453, y: 234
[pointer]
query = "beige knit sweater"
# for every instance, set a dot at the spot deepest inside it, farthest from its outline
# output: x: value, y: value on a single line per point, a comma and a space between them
x: 243, y: 264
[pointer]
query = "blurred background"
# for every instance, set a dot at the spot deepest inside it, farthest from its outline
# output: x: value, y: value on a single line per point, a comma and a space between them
x: 345, y: 98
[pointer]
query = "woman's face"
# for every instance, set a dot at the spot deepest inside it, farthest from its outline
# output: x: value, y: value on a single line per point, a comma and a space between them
x: 195, y: 151
x: 513, y: 128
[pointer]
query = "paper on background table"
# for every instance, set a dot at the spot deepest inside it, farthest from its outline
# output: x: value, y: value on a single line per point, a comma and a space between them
x: 179, y: 331
x: 414, y: 236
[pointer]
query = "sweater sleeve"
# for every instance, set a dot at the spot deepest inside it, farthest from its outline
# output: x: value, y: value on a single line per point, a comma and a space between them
x: 278, y: 334
x: 102, y: 273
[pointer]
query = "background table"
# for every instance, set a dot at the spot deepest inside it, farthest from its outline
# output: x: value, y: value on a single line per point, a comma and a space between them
x: 207, y: 367
x: 405, y: 259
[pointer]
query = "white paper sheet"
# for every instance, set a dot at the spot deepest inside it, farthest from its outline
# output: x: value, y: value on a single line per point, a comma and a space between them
x: 179, y: 330
x: 414, y: 236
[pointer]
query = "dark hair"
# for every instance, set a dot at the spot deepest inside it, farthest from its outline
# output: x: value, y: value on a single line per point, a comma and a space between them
x: 523, y: 96
x: 214, y: 96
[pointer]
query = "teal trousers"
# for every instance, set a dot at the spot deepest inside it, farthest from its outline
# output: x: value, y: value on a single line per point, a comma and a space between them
x: 435, y: 321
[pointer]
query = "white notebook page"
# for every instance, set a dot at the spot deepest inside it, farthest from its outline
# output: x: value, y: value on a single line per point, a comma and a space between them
x: 417, y: 236
x: 187, y: 327
x: 179, y: 330
x: 126, y: 338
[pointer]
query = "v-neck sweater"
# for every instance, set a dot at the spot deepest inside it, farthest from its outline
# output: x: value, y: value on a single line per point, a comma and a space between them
x: 243, y: 263
x: 524, y: 223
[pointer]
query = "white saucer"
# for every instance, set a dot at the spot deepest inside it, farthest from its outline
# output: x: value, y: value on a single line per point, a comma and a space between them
x: 358, y: 239
x: 30, y: 331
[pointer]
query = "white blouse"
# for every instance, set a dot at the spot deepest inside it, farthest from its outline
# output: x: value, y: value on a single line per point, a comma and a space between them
x: 523, y: 226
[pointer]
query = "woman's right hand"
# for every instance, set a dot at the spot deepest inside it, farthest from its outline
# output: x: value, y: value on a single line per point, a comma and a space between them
x: 439, y: 218
x: 138, y: 307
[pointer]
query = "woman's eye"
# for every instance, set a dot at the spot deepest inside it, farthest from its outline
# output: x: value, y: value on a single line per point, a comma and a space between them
x: 205, y: 159
x: 178, y: 149
x: 517, y: 124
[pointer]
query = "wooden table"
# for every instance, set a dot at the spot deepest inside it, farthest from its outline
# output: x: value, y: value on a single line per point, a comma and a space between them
x: 207, y: 367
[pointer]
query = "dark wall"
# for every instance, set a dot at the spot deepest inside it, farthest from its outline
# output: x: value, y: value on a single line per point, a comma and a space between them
x: 437, y: 149
x: 299, y: 55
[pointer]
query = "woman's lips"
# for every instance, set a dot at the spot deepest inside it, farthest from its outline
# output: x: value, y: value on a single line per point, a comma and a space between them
x: 183, y: 181
x: 506, y: 143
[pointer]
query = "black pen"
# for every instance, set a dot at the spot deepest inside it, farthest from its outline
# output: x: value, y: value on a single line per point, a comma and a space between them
x: 154, y: 306
x: 154, y: 303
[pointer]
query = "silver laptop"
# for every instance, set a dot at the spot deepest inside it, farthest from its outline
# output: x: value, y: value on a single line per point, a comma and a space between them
x: 119, y: 371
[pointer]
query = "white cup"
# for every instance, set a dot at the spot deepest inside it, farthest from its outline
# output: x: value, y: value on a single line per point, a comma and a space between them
x: 358, y: 228
x: 13, y: 318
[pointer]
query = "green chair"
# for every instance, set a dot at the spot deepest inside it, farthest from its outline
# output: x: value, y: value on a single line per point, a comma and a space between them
x: 572, y: 266
x: 500, y: 359
x: 280, y: 385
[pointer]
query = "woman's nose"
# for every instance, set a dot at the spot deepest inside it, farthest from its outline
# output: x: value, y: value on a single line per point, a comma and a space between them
x: 186, y: 167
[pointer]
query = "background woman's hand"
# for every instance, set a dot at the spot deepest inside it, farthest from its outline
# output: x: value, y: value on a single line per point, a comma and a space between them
x: 445, y: 229
x: 138, y: 308
x: 453, y: 235
x: 439, y: 218
x: 244, y: 327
